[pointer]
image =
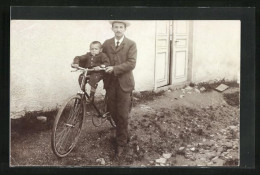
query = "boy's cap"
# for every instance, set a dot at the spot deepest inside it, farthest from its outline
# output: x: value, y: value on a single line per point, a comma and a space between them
x: 120, y: 21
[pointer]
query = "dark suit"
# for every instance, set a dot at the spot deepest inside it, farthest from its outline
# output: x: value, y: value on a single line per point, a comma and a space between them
x: 120, y: 84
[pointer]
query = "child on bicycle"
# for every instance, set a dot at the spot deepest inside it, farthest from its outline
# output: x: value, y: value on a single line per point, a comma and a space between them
x: 93, y: 59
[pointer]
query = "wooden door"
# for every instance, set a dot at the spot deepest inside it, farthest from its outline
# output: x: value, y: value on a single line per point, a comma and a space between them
x: 162, y: 54
x: 180, y: 46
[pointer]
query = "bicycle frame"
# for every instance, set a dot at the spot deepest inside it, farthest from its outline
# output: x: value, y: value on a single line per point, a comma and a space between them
x: 83, y: 94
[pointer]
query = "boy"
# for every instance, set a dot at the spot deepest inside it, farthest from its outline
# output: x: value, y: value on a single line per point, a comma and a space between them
x: 93, y: 59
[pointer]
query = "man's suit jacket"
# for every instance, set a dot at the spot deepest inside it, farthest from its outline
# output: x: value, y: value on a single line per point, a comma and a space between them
x: 123, y: 59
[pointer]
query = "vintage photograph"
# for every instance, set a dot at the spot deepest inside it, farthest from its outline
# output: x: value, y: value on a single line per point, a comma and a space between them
x: 135, y: 93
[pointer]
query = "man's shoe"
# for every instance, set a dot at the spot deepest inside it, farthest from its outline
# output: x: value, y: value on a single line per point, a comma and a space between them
x: 119, y: 151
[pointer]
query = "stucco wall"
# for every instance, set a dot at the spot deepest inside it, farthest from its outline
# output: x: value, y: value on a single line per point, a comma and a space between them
x: 216, y: 50
x: 42, y: 51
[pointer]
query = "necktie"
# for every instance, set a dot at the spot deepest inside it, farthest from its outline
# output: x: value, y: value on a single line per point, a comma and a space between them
x: 117, y: 44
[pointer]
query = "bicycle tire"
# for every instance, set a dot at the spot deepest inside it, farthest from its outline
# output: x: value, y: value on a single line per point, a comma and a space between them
x: 70, y: 115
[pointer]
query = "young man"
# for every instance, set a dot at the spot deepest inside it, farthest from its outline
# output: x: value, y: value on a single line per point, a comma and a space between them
x: 119, y: 82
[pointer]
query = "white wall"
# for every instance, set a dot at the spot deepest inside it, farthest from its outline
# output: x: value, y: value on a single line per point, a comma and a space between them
x: 42, y: 51
x: 216, y: 50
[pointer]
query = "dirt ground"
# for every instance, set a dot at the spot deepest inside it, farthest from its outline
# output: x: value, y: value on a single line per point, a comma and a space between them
x: 182, y: 127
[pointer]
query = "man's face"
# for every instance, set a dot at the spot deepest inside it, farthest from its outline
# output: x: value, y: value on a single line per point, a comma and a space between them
x: 118, y: 29
x: 95, y: 49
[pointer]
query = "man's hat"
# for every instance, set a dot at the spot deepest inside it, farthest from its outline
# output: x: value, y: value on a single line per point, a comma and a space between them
x: 120, y: 21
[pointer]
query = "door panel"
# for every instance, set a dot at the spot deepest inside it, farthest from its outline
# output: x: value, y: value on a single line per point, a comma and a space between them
x: 180, y: 51
x: 162, y: 54
x: 180, y: 64
x: 160, y: 64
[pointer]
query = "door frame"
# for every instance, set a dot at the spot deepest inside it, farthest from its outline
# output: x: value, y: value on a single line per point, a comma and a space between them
x: 171, y: 51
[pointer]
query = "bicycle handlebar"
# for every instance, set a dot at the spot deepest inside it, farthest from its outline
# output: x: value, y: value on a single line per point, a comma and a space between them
x: 89, y: 70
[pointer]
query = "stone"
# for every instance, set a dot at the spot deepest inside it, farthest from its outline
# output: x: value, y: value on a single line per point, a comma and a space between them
x: 215, y: 158
x: 42, y: 119
x: 202, y: 89
x: 189, y: 92
x: 234, y: 128
x: 188, y: 88
x: 181, y: 148
x: 197, y: 90
x: 181, y: 96
x: 151, y: 162
x: 221, y: 87
x: 167, y: 155
x: 161, y: 160
x: 160, y: 114
x: 210, y: 155
x: 193, y: 149
x: 101, y: 161
x: 229, y: 145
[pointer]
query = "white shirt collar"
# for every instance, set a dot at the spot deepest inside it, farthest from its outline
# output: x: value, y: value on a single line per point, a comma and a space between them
x: 120, y: 41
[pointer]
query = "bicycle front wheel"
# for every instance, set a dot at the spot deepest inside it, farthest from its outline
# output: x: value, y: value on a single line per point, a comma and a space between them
x: 67, y: 126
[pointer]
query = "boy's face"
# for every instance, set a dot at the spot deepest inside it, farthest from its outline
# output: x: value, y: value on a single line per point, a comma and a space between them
x: 95, y: 49
x: 118, y: 29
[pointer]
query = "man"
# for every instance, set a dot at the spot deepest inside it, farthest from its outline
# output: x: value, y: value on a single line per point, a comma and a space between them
x: 119, y: 82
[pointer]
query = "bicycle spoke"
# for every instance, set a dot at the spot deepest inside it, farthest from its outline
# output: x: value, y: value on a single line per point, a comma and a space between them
x: 64, y: 138
x: 60, y: 133
x: 61, y: 138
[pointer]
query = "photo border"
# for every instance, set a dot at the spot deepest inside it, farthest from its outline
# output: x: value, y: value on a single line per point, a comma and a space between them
x: 247, y: 89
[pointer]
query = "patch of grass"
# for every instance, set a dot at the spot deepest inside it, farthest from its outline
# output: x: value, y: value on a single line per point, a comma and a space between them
x: 29, y: 122
x: 139, y: 97
x: 232, y: 98
x: 209, y: 86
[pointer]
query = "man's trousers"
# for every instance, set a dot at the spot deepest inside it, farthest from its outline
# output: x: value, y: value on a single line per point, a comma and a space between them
x: 118, y: 105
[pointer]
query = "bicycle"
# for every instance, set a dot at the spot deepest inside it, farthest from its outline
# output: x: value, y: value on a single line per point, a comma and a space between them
x: 71, y: 116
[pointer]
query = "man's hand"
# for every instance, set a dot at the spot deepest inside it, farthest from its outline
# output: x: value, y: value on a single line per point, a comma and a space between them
x: 110, y: 69
x: 74, y: 65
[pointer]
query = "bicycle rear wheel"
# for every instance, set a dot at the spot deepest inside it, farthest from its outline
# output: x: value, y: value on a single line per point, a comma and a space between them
x: 67, y: 126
